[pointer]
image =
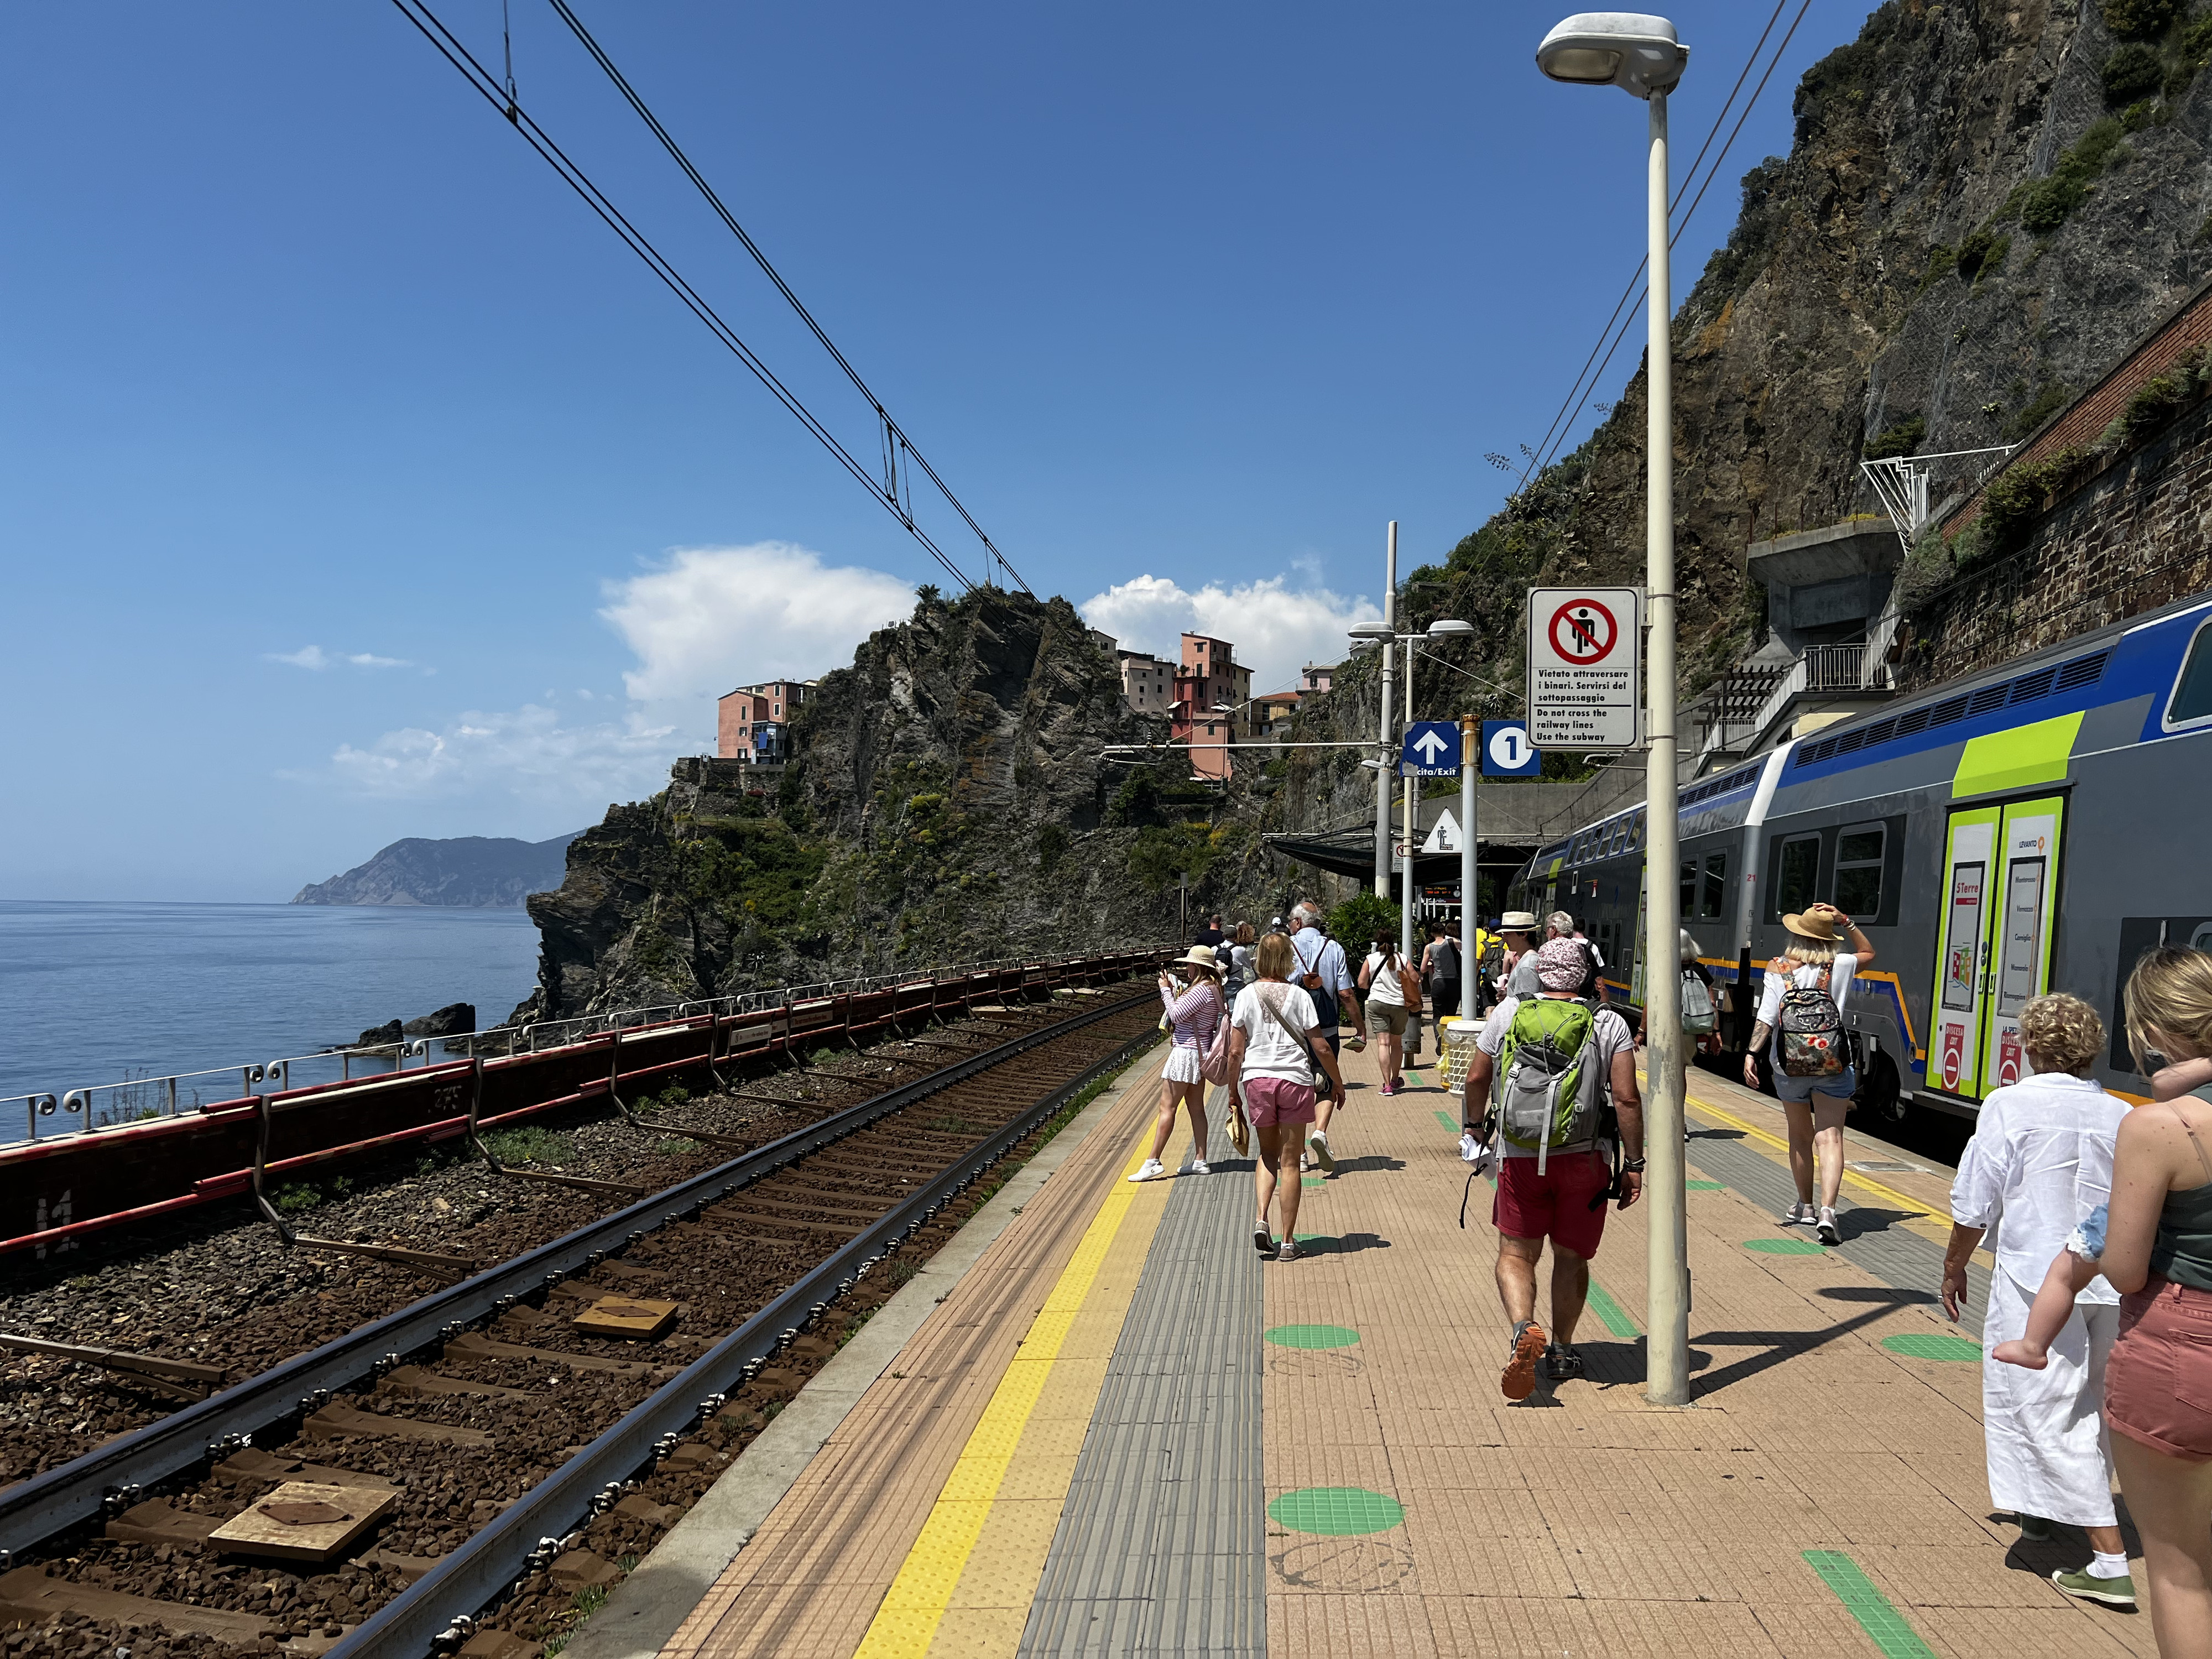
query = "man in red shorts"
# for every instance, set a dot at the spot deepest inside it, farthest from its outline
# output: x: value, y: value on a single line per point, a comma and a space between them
x: 1547, y: 1192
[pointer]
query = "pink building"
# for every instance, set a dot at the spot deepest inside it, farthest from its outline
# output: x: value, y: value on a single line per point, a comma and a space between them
x: 750, y: 722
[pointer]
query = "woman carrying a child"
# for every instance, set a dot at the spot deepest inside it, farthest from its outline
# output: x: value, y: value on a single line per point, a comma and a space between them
x: 2041, y: 1158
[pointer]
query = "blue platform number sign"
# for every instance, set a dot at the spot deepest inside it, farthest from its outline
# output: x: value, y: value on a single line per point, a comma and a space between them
x: 1431, y: 750
x: 1507, y: 752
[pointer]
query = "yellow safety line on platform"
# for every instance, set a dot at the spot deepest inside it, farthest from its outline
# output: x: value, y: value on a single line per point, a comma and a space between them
x: 1917, y: 1214
x: 917, y: 1601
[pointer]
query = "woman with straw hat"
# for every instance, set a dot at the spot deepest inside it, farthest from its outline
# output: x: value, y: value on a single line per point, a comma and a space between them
x: 1193, y: 1014
x: 1815, y: 1105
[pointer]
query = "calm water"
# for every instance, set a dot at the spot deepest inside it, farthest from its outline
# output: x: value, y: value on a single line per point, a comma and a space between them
x: 93, y: 992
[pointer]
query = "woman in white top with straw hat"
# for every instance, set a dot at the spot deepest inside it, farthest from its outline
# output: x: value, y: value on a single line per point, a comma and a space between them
x: 1815, y: 1106
x: 1194, y: 1015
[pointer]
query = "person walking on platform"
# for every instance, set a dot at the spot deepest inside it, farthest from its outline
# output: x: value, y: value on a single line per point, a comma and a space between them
x: 1440, y: 974
x: 1566, y: 1101
x: 1211, y: 935
x: 1800, y: 1008
x: 1326, y: 977
x: 1484, y: 968
x: 1194, y: 1014
x: 1278, y: 1066
x: 2042, y: 1158
x: 1514, y: 980
x: 1240, y: 960
x: 2158, y: 1256
x: 1383, y: 976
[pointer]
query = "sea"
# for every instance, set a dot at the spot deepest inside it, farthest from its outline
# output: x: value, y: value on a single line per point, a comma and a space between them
x: 94, y: 994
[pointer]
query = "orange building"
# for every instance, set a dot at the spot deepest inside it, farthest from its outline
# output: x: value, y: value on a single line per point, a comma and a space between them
x: 1210, y: 691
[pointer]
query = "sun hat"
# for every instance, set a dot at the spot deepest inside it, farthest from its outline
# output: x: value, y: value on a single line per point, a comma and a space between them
x: 1517, y: 921
x: 1819, y: 929
x: 1199, y: 955
x: 1561, y: 966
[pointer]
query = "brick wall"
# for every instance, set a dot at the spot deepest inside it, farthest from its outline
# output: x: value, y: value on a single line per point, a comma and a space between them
x: 2136, y: 537
x: 2077, y: 425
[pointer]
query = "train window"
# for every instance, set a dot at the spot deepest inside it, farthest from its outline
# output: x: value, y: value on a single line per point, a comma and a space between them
x: 1858, y: 870
x: 2191, y: 702
x: 1798, y: 873
x: 1714, y: 903
x: 1689, y: 890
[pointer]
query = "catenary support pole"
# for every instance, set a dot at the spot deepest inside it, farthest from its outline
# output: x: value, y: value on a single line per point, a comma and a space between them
x: 1470, y: 901
x: 1666, y: 1360
x: 1385, y: 748
x: 1412, y: 831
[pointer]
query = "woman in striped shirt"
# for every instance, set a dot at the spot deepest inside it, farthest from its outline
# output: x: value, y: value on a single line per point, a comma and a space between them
x: 1193, y: 1013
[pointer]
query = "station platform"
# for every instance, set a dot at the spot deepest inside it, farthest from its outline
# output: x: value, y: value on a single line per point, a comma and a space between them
x: 1111, y: 1427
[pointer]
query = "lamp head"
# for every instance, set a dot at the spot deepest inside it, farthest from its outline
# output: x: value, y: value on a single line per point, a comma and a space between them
x: 1449, y: 628
x: 1373, y: 630
x: 1633, y: 51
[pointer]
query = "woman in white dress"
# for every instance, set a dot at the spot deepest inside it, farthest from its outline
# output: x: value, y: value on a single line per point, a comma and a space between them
x: 2041, y: 1158
x: 1193, y: 1013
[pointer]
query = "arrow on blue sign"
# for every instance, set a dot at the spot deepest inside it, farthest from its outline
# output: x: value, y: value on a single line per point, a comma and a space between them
x: 1432, y: 749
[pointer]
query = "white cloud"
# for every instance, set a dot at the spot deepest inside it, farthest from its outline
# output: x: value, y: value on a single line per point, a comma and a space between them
x: 1276, y: 630
x: 712, y: 617
x: 314, y: 658
x: 526, y: 753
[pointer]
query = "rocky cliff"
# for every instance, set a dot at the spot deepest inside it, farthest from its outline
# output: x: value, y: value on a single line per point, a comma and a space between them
x: 947, y: 802
x: 1982, y: 205
x: 470, y: 872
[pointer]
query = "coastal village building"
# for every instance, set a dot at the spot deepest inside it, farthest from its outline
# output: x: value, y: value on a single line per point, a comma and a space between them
x: 1147, y: 683
x: 751, y: 722
x: 1210, y: 681
x: 1317, y: 677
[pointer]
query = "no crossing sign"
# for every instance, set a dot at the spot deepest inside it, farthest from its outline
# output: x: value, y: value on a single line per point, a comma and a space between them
x: 1585, y: 661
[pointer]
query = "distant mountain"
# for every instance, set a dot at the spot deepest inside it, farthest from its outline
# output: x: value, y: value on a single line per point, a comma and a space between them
x: 465, y: 872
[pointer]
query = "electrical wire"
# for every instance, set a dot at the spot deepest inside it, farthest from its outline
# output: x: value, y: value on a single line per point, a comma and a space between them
x: 899, y: 442
x: 489, y: 87
x: 1563, y: 421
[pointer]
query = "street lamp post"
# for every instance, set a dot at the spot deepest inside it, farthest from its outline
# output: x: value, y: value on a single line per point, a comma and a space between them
x: 1641, y: 55
x: 1442, y: 628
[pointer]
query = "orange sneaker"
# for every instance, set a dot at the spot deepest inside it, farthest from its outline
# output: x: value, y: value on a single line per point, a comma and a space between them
x: 1529, y: 1342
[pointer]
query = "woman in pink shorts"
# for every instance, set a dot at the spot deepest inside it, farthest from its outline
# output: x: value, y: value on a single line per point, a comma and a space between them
x: 2158, y: 1255
x: 1275, y: 1062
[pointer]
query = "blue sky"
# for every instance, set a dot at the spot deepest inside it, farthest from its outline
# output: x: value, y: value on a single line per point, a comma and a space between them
x: 355, y: 483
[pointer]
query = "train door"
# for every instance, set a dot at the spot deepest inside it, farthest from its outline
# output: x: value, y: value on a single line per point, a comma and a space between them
x: 2001, y: 867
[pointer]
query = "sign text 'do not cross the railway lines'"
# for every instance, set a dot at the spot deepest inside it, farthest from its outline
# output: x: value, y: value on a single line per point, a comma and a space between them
x: 1585, y: 660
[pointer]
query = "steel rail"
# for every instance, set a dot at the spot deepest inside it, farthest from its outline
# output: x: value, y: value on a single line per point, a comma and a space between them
x: 437, y: 1611
x: 112, y: 1476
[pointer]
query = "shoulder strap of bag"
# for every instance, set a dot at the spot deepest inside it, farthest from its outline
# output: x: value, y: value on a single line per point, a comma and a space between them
x: 1267, y: 1007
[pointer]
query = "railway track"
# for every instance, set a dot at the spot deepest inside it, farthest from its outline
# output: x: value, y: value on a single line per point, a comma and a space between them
x: 510, y: 1441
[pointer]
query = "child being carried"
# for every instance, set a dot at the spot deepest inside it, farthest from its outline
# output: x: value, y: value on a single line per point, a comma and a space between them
x: 2077, y: 1264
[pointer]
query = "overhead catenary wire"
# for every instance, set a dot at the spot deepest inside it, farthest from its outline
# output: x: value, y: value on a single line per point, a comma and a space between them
x: 489, y: 87
x: 899, y: 442
x: 1563, y: 421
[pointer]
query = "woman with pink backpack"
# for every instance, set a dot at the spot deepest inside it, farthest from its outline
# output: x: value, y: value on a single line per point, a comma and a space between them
x: 1194, y: 1015
x: 1800, y: 1008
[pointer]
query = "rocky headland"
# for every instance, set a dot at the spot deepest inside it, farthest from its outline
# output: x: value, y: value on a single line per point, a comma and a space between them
x: 463, y: 871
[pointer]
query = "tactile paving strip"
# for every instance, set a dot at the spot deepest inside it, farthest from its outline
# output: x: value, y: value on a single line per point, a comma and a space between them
x: 1893, y: 1255
x: 1161, y: 1546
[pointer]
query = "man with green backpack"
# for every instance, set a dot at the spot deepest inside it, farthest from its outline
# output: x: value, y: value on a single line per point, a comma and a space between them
x: 1564, y: 1108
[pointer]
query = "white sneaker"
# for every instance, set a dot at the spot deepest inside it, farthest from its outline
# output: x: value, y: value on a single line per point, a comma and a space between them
x: 1153, y: 1171
x: 1317, y: 1144
x: 1798, y: 1215
x: 1198, y: 1166
x: 1830, y: 1233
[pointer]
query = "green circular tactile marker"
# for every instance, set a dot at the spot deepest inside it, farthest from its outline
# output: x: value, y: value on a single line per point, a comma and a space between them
x: 1336, y: 1511
x: 1933, y: 1345
x: 1706, y: 1186
x: 1311, y: 1181
x: 1318, y: 1242
x: 1783, y: 1246
x: 1312, y: 1336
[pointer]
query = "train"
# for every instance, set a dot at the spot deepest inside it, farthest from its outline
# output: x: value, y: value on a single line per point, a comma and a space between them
x: 2033, y: 827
